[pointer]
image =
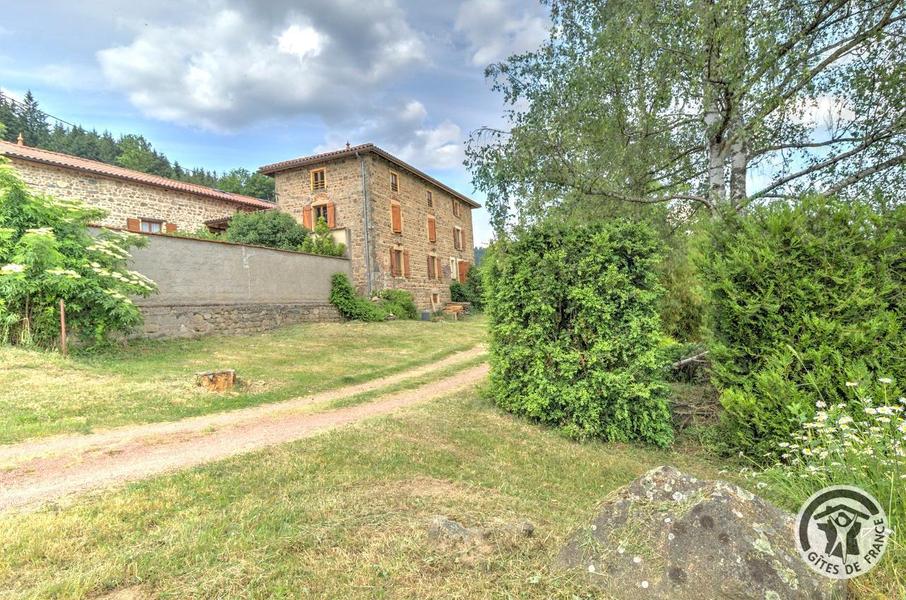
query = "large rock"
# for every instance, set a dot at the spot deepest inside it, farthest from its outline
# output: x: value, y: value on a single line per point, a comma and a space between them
x: 670, y: 535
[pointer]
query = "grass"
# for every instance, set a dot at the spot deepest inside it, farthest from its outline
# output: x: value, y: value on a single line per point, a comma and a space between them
x: 344, y: 514
x: 42, y: 393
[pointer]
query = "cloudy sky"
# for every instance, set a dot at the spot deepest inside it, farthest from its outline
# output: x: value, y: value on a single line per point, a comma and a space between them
x: 227, y: 83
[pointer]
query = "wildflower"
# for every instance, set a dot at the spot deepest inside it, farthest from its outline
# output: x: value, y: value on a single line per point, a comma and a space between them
x: 885, y: 380
x: 821, y: 404
x: 40, y: 231
x: 845, y: 420
x: 871, y: 411
x: 852, y: 384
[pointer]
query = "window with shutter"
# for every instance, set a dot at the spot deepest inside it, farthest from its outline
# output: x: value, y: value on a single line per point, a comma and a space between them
x: 457, y: 238
x: 151, y: 226
x: 394, y: 182
x: 432, y: 267
x: 318, y: 179
x: 457, y: 209
x: 430, y: 198
x: 320, y: 212
x: 432, y: 229
x: 306, y: 217
x: 396, y: 262
x: 396, y: 217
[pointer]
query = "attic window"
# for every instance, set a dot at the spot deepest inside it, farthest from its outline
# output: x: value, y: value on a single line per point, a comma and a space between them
x: 394, y: 182
x: 430, y: 198
x: 457, y: 208
x: 318, y: 179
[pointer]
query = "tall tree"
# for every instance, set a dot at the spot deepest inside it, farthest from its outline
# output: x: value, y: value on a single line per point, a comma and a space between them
x: 33, y: 121
x: 702, y: 103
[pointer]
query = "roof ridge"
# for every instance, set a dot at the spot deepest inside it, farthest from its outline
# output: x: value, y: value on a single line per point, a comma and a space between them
x: 352, y: 150
x: 73, y: 161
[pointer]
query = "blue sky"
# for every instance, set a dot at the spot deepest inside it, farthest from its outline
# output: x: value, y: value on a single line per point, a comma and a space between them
x: 229, y: 83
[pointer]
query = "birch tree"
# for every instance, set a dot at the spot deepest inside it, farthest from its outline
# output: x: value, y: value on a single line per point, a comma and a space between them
x: 699, y: 104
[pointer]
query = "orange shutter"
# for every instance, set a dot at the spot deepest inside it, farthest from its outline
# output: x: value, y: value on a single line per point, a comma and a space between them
x: 170, y: 227
x: 406, y: 271
x: 432, y: 229
x: 463, y: 270
x: 306, y: 217
x: 331, y: 215
x: 396, y: 220
x: 133, y: 225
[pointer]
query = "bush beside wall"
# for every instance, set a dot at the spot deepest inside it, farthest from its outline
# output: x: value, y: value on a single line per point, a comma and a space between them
x: 802, y: 299
x: 574, y: 331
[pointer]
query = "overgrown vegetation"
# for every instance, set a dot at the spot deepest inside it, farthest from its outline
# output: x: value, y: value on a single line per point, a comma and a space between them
x: 398, y: 303
x: 575, y: 331
x: 130, y: 151
x: 321, y: 242
x: 471, y: 290
x: 802, y: 298
x: 350, y: 305
x: 47, y: 255
x: 271, y: 228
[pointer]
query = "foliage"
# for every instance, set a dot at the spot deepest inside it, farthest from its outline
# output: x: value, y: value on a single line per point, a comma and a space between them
x: 321, y: 242
x: 202, y: 233
x: 802, y: 298
x: 861, y: 442
x: 623, y: 106
x: 683, y: 302
x: 350, y: 305
x: 271, y: 228
x: 130, y: 151
x: 471, y: 291
x: 398, y: 303
x: 47, y: 254
x: 575, y: 331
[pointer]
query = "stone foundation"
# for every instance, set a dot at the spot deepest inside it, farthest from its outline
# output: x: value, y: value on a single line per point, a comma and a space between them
x: 229, y: 319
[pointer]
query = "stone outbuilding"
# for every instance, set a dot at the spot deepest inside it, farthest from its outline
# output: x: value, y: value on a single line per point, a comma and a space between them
x: 132, y: 200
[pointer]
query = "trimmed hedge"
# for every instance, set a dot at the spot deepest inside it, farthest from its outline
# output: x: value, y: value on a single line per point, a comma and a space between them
x: 574, y: 331
x: 802, y: 299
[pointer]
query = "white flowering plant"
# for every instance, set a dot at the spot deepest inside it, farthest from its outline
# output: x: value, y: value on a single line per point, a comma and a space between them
x: 862, y: 443
x: 48, y: 254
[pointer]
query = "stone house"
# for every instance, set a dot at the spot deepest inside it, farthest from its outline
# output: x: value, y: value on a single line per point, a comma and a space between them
x: 403, y: 228
x: 133, y: 200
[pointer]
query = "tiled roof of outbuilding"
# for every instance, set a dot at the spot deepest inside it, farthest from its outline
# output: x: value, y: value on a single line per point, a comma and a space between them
x: 68, y: 161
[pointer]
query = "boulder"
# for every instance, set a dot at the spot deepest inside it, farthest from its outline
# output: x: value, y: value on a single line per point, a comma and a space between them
x: 670, y: 535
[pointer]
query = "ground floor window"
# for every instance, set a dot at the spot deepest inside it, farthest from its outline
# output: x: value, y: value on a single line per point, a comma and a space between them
x: 151, y: 226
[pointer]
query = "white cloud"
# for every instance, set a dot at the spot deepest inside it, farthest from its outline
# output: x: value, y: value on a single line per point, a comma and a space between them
x: 408, y: 133
x: 496, y: 29
x: 243, y: 64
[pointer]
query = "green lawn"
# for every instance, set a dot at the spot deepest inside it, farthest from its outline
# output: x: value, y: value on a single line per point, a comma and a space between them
x: 340, y: 515
x: 42, y: 393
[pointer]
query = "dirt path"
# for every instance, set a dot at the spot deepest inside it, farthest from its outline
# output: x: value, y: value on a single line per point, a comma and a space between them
x: 35, y: 472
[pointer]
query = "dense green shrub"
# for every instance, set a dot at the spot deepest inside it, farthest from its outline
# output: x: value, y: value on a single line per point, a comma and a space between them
x: 271, y: 228
x: 802, y: 299
x: 350, y: 305
x: 682, y: 303
x: 398, y: 303
x: 47, y: 254
x: 470, y: 291
x: 574, y: 331
x: 321, y: 242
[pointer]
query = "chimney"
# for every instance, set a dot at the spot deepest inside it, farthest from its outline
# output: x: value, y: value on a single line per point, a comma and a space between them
x: 20, y: 140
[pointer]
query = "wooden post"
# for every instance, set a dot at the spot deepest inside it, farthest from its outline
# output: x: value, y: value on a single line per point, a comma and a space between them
x: 63, y: 347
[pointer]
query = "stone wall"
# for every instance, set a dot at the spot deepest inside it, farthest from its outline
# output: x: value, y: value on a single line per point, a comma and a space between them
x: 125, y: 199
x: 344, y: 189
x: 219, y: 287
x: 192, y: 321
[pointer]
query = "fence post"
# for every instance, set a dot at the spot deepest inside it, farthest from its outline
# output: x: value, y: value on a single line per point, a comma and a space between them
x: 63, y: 327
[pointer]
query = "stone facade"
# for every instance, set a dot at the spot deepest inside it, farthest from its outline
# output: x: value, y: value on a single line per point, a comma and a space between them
x: 345, y: 189
x: 125, y: 199
x: 229, y: 319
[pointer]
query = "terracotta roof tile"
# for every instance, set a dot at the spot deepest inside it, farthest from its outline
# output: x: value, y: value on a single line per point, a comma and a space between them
x: 67, y: 161
x: 352, y: 151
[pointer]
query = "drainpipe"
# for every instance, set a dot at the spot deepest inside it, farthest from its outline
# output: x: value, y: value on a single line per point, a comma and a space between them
x: 366, y: 222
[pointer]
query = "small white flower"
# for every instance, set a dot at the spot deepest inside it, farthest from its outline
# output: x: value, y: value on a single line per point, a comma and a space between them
x: 645, y: 585
x: 821, y: 404
x: 636, y: 559
x: 591, y: 568
x: 852, y: 384
x: 12, y: 268
x: 885, y: 380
